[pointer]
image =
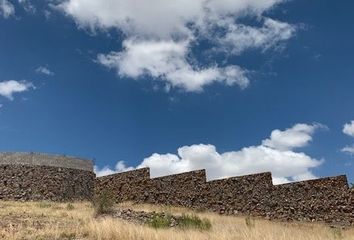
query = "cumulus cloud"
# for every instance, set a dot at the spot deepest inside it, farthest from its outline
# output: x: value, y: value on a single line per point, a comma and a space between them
x: 44, y: 70
x: 160, y: 36
x: 6, y: 8
x: 9, y: 88
x: 120, y: 167
x: 297, y: 136
x: 167, y: 60
x: 348, y: 149
x: 348, y: 129
x: 280, y: 158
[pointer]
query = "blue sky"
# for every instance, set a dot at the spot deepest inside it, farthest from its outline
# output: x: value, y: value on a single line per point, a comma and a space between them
x: 235, y: 87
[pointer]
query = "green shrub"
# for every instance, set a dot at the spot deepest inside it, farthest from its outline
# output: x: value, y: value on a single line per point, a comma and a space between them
x: 194, y: 222
x: 44, y: 205
x: 159, y: 221
x: 70, y: 206
x: 103, y: 203
x: 184, y: 222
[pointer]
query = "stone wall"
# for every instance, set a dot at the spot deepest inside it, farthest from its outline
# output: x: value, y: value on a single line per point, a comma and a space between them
x: 326, y: 199
x: 32, y: 176
x: 329, y: 199
x: 27, y: 178
x: 235, y: 195
x: 179, y: 190
x: 127, y: 186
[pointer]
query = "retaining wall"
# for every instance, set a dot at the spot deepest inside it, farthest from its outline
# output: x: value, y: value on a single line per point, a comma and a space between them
x: 328, y: 199
x: 179, y: 190
x: 126, y: 186
x: 32, y: 176
x: 28, y: 176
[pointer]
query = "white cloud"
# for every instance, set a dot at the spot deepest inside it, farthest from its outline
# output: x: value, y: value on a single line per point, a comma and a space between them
x: 284, y: 163
x: 297, y: 136
x: 348, y: 129
x: 348, y: 149
x: 167, y: 60
x: 6, y: 8
x: 240, y: 37
x: 9, y: 88
x: 120, y: 167
x: 159, y: 36
x: 44, y: 70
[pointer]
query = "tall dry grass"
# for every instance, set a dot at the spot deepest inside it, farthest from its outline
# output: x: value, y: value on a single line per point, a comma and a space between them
x: 35, y: 220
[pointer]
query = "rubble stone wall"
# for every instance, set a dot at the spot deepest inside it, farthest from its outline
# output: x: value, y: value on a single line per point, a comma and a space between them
x: 327, y: 199
x: 29, y: 178
x: 179, y: 190
x: 235, y: 195
x: 126, y: 186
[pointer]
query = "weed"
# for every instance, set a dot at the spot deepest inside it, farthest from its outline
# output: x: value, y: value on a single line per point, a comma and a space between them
x: 194, y: 222
x: 184, y: 222
x: 70, y: 206
x: 44, y: 205
x: 159, y: 221
x: 68, y: 236
x: 250, y: 222
x: 103, y: 203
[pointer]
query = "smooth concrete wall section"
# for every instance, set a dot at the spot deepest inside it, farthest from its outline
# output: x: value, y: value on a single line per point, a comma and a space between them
x: 329, y: 199
x: 38, y: 159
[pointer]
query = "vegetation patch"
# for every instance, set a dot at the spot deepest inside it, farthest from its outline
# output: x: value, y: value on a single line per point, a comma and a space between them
x: 184, y: 222
x: 70, y: 206
x: 161, y: 221
x: 103, y: 203
x: 44, y: 205
x: 194, y: 222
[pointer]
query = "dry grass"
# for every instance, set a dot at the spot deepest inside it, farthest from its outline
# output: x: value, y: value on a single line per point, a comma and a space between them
x: 34, y: 220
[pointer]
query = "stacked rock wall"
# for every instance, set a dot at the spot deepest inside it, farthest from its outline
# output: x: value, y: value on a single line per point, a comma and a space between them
x: 29, y: 176
x: 179, y: 190
x: 328, y: 199
x: 234, y: 195
x: 126, y: 186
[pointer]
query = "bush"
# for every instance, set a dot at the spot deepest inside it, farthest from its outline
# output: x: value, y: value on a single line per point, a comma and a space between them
x: 184, y: 222
x: 103, y: 203
x: 159, y: 221
x: 44, y: 205
x: 69, y: 206
x: 195, y: 222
